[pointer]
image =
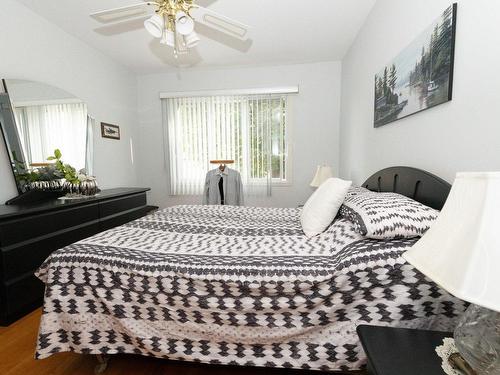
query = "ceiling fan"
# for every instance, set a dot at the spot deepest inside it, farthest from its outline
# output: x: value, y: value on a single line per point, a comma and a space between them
x: 173, y: 21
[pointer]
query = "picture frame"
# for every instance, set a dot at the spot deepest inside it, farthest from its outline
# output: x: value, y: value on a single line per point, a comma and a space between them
x: 421, y: 75
x: 110, y: 131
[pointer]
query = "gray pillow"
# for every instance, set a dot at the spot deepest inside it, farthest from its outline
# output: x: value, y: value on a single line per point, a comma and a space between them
x: 386, y: 215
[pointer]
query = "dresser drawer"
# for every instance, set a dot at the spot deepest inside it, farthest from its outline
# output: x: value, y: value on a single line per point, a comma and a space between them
x: 119, y: 205
x: 20, y: 297
x: 123, y: 218
x: 29, y: 255
x: 25, y: 229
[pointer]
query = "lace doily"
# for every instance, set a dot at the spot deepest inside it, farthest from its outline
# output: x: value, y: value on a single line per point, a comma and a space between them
x: 444, y: 352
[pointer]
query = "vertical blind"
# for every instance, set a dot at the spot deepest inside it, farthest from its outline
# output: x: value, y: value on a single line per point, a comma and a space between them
x: 43, y: 128
x: 250, y: 129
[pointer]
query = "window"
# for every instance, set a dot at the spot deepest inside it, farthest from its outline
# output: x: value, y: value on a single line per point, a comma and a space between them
x: 43, y: 128
x: 251, y: 129
x: 268, y: 143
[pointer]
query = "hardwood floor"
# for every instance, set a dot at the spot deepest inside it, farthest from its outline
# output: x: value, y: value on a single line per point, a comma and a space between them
x: 17, y: 348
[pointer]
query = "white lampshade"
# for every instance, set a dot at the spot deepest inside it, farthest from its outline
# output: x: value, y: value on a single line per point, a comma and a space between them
x: 155, y: 25
x: 168, y: 38
x: 323, y: 173
x: 191, y: 40
x: 183, y: 23
x: 461, y: 251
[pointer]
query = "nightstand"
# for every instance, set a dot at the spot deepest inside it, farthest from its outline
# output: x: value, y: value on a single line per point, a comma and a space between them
x: 401, y: 351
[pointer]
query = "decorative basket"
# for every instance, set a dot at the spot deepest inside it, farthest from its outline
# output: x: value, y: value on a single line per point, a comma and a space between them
x: 87, y: 187
x: 53, y: 185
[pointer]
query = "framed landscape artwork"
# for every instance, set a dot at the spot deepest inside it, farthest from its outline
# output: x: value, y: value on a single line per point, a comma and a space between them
x: 421, y: 76
x: 110, y: 131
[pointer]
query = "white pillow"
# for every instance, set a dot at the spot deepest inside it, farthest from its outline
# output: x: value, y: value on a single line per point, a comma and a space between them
x: 323, y: 205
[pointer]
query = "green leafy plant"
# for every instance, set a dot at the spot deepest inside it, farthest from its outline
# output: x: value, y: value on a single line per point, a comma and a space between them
x: 52, y: 172
x: 23, y: 175
x: 66, y: 170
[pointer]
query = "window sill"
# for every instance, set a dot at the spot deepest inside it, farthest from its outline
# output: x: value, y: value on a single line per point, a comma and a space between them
x: 281, y: 184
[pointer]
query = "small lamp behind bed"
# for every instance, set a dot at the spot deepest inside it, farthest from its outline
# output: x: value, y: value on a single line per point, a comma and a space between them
x: 461, y: 253
x: 323, y: 173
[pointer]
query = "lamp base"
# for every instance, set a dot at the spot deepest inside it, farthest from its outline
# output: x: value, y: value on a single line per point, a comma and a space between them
x: 458, y: 363
x: 477, y: 339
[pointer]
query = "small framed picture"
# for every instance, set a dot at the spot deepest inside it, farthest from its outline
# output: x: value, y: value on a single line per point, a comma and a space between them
x: 110, y: 131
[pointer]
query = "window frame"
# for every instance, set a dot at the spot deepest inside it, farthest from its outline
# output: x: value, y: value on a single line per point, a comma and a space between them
x: 286, y: 170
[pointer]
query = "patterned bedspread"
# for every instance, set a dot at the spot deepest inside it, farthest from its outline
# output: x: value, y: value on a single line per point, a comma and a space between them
x: 233, y: 285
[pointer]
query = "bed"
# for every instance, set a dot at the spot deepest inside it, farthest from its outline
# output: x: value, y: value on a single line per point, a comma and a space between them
x: 240, y: 286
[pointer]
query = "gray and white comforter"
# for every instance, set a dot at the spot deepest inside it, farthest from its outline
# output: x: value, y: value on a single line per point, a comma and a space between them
x: 233, y: 285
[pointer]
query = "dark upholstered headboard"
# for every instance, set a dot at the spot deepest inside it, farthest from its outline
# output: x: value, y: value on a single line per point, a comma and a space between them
x: 422, y: 186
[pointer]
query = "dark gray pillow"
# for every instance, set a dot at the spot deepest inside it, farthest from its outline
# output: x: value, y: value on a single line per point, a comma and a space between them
x: 387, y: 215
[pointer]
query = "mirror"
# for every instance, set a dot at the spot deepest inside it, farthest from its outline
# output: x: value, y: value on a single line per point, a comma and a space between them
x: 37, y: 118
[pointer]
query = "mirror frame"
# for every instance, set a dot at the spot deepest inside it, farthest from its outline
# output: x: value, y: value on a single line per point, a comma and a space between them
x: 5, y: 92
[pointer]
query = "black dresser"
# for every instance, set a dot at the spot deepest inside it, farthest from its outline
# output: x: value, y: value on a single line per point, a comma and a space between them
x: 30, y: 233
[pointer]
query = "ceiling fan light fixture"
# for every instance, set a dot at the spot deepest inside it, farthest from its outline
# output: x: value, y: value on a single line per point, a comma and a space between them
x: 191, y: 40
x: 184, y: 24
x: 155, y: 25
x: 173, y: 21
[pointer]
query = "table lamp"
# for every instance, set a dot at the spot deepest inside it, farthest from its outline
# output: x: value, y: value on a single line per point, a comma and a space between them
x: 323, y: 173
x: 461, y: 253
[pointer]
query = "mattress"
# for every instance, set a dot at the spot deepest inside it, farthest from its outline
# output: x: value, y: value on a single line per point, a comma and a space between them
x: 233, y: 285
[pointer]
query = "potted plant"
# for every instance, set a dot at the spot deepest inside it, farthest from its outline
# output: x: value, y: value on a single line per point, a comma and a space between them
x: 56, y: 177
x: 75, y: 183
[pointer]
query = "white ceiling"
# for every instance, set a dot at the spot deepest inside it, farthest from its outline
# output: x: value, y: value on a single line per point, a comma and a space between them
x: 283, y: 32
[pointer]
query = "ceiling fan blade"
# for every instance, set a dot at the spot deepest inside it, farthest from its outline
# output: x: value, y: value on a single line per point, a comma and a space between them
x: 117, y: 14
x: 219, y: 22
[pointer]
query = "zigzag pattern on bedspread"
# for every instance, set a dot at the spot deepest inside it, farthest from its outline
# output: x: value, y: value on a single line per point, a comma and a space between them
x: 233, y: 285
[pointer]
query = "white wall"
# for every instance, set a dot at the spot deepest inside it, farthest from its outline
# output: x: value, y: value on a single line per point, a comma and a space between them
x: 463, y: 134
x: 315, y: 122
x: 35, y: 49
